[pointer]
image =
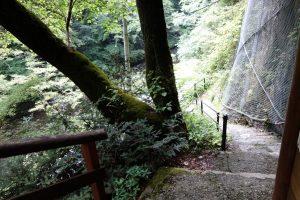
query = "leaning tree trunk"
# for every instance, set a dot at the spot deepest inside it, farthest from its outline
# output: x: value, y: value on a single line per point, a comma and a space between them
x: 159, y: 67
x: 114, y: 103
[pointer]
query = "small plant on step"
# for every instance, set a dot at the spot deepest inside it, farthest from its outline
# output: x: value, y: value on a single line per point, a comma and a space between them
x: 127, y: 188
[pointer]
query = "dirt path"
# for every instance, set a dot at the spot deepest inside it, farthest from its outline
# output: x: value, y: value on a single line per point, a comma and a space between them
x: 245, y: 172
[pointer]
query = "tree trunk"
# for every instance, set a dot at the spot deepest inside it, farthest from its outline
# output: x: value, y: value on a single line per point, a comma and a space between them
x: 68, y: 22
x: 159, y: 67
x: 126, y: 44
x: 114, y: 103
x: 126, y: 52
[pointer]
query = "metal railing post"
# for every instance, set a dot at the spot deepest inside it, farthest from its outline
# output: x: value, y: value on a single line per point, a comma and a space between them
x: 204, y: 84
x: 201, y: 106
x: 218, y: 121
x: 224, y: 132
x: 195, y: 93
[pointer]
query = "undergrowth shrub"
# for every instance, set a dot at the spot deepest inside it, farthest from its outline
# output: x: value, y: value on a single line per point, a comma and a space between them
x: 36, y: 170
x: 134, y: 143
x: 13, y: 62
x: 19, y: 100
x: 203, y: 133
x: 133, y: 150
x: 229, y: 2
x: 128, y: 187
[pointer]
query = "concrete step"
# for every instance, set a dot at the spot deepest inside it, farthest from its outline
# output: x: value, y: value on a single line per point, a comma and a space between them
x: 237, y: 162
x: 212, y: 185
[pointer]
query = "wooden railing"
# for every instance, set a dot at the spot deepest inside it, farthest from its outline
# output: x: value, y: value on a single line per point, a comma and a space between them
x: 93, y: 176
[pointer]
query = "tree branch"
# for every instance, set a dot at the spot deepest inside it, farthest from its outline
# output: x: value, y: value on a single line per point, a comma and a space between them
x: 113, y: 103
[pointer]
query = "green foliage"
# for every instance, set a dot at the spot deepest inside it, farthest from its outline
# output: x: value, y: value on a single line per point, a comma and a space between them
x: 54, y: 14
x: 106, y: 49
x: 156, y: 87
x: 137, y: 56
x: 4, y: 85
x: 133, y: 148
x: 116, y: 10
x: 135, y: 143
x: 13, y: 61
x: 202, y: 38
x: 207, y: 44
x: 173, y: 31
x: 12, y: 66
x: 128, y: 187
x: 295, y: 32
x: 203, y: 133
x: 19, y: 100
x: 124, y: 154
x: 229, y: 2
x: 23, y: 173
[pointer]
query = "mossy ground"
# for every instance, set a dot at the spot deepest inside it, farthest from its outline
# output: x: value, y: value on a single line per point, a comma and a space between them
x: 159, y: 180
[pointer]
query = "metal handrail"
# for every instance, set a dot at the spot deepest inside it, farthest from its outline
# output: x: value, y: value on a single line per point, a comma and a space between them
x: 217, y: 121
x: 195, y: 89
x: 200, y: 81
x: 209, y: 107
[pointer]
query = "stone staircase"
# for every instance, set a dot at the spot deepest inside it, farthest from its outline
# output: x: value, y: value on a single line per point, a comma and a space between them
x: 245, y: 172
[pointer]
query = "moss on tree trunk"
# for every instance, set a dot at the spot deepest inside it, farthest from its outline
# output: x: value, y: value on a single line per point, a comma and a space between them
x: 114, y: 103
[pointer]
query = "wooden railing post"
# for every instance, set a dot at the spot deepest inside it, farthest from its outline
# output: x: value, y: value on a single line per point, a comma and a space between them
x: 224, y: 133
x: 90, y: 155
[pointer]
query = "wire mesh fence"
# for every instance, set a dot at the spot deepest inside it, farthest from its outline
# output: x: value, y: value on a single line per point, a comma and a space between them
x: 260, y: 80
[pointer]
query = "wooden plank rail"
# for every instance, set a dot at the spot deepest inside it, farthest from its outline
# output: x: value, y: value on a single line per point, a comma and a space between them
x: 62, y: 188
x: 52, y: 142
x: 93, y: 177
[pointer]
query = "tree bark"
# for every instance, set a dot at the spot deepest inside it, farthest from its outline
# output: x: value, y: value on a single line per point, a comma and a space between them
x: 68, y: 22
x: 159, y: 67
x: 126, y: 44
x: 114, y: 103
x: 126, y: 52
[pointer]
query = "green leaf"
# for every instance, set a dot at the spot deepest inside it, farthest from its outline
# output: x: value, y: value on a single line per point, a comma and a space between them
x: 164, y: 94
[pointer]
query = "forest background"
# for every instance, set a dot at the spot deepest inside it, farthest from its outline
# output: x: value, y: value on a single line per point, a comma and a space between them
x: 36, y: 99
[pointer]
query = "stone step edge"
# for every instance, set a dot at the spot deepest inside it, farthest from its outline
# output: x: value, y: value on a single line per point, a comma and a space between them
x: 243, y: 174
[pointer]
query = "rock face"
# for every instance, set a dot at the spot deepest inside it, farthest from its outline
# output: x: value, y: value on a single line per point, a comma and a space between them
x: 245, y: 172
